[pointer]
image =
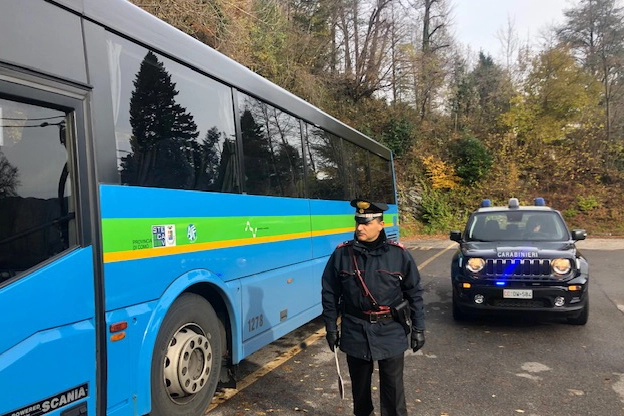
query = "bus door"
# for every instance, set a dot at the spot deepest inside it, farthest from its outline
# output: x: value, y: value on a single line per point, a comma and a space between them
x: 47, y: 297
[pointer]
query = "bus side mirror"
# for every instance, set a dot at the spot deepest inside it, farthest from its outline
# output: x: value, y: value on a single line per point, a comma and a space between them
x: 579, y: 235
x: 455, y: 235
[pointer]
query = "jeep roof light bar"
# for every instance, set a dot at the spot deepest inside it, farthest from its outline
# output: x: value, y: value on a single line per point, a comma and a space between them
x: 513, y: 203
x: 486, y: 203
x: 539, y: 202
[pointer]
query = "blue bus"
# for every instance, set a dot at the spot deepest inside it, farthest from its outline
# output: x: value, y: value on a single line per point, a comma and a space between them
x: 164, y: 211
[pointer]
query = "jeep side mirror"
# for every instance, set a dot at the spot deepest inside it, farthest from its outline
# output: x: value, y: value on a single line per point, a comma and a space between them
x: 455, y: 235
x: 579, y: 235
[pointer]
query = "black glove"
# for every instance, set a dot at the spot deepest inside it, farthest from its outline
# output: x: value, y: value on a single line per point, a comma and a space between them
x: 418, y: 339
x: 333, y: 339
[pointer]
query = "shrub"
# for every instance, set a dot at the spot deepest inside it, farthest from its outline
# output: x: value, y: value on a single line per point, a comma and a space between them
x: 569, y: 214
x: 588, y: 203
x: 440, y: 174
x: 397, y: 136
x: 473, y: 160
x: 436, y: 212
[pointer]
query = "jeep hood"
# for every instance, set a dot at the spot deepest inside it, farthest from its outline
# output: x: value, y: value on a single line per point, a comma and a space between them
x: 519, y: 249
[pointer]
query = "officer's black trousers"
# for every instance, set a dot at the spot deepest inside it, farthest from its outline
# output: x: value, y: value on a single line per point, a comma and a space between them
x: 391, y: 389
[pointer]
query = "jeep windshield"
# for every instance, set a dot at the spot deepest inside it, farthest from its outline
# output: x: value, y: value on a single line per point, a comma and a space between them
x: 516, y: 225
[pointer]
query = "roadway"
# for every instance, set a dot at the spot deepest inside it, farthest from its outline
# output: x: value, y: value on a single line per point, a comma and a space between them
x: 475, y: 368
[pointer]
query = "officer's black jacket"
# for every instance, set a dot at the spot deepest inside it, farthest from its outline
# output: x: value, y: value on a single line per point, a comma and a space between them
x: 391, y: 275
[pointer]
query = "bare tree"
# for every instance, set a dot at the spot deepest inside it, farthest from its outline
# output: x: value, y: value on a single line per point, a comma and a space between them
x: 508, y: 38
x: 434, y: 40
x: 595, y: 31
x: 401, y: 30
x: 362, y: 45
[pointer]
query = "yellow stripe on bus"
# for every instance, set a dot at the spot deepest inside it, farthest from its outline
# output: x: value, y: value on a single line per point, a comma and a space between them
x: 331, y: 232
x: 191, y: 248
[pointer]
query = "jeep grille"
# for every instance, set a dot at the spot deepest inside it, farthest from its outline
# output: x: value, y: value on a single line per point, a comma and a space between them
x: 525, y: 269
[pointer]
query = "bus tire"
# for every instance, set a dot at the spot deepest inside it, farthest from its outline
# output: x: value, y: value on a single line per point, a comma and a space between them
x: 187, y: 358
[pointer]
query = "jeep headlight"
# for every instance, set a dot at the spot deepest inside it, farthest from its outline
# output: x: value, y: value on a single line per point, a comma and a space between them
x: 561, y: 267
x: 475, y: 264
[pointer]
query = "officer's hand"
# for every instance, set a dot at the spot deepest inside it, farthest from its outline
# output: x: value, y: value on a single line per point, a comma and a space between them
x: 418, y: 339
x: 333, y: 339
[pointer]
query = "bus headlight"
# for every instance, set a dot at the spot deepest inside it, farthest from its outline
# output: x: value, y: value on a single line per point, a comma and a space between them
x: 561, y: 266
x: 475, y: 264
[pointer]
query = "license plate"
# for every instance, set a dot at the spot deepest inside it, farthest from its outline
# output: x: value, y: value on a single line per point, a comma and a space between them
x: 518, y: 293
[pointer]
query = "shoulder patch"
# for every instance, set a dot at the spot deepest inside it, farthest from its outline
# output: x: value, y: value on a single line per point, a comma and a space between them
x: 396, y: 244
x: 346, y: 243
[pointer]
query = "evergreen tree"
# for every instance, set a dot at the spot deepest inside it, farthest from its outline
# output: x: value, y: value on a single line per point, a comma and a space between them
x: 163, y: 132
x: 494, y: 91
x: 206, y: 160
x: 257, y: 154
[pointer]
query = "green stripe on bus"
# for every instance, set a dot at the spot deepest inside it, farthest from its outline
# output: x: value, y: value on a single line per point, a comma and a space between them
x: 123, y: 234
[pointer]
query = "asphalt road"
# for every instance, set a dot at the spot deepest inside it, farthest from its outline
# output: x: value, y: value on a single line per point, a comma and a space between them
x: 475, y: 368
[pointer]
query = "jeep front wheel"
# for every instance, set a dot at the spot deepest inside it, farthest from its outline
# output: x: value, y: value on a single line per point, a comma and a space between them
x: 583, y: 316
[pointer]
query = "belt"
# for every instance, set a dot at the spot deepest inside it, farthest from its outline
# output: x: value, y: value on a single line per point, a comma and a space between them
x: 371, y: 316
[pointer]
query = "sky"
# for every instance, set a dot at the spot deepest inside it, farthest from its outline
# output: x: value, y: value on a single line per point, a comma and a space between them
x: 476, y: 22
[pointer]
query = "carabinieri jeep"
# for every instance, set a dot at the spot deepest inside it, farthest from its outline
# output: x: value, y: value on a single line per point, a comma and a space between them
x: 519, y: 260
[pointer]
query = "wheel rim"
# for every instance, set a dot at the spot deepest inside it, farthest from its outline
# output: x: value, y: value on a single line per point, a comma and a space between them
x: 188, y: 363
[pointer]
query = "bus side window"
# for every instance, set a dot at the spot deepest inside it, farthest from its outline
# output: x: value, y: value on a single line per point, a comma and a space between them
x: 34, y: 186
x: 357, y: 171
x: 326, y: 176
x: 272, y: 149
x: 382, y: 188
x: 180, y: 135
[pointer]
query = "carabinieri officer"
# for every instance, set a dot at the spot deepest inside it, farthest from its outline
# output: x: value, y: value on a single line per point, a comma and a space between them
x: 374, y: 285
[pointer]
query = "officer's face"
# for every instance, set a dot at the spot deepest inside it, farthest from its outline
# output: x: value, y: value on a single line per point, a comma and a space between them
x: 370, y: 231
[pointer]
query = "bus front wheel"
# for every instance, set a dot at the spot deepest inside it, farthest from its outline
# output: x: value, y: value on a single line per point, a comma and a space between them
x: 187, y: 358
